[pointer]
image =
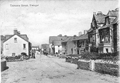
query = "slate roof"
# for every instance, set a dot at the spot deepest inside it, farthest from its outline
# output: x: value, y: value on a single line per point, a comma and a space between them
x: 67, y: 39
x: 2, y: 38
x: 100, y: 18
x: 82, y: 37
x: 23, y: 36
x: 113, y: 13
x: 54, y: 38
x: 57, y: 40
x: 74, y: 38
x: 115, y: 20
x: 109, y: 25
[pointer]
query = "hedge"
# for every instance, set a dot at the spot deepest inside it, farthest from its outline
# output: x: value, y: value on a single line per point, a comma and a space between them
x: 105, y: 56
x: 106, y: 68
x: 83, y: 65
x: 15, y: 58
x: 89, y: 55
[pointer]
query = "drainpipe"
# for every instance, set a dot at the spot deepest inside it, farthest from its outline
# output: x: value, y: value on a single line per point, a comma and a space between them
x: 111, y: 38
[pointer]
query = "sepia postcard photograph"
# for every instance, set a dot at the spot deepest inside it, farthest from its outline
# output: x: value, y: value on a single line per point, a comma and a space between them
x: 59, y: 41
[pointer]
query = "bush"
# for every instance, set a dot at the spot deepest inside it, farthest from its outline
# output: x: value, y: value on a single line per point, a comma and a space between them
x: 94, y: 49
x: 109, y: 56
x: 89, y: 55
x: 10, y: 58
x: 23, y: 53
x: 18, y: 57
x: 62, y: 56
x: 104, y: 56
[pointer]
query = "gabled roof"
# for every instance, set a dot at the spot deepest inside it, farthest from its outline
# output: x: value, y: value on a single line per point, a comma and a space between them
x: 2, y: 38
x: 113, y: 13
x: 100, y: 18
x: 97, y: 19
x: 67, y: 38
x: 115, y: 20
x: 74, y: 38
x: 82, y: 37
x: 23, y: 36
x: 56, y: 40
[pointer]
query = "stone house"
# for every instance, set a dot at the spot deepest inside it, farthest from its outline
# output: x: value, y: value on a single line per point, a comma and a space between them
x: 69, y: 45
x: 103, y: 35
x: 82, y: 43
x: 14, y: 45
x: 109, y: 33
x: 98, y: 21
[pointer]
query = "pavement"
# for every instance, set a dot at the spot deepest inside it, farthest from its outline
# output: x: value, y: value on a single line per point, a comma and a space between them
x: 50, y: 69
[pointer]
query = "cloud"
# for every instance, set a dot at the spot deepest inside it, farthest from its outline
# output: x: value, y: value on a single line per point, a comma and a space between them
x: 50, y: 18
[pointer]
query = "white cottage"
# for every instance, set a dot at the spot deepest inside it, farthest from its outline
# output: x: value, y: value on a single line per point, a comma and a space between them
x: 15, y: 44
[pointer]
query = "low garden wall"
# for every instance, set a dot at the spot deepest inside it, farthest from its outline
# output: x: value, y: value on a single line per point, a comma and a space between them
x: 83, y: 64
x: 107, y: 68
x: 101, y: 66
x: 3, y: 65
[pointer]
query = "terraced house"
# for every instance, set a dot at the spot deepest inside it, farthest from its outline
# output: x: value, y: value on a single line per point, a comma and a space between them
x: 69, y: 46
x: 55, y: 44
x: 75, y: 44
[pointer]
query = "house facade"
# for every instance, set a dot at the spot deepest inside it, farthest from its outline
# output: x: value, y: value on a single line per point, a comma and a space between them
x: 45, y: 47
x: 102, y: 36
x: 75, y: 44
x: 68, y: 45
x: 82, y: 43
x: 55, y: 44
x: 98, y: 21
x: 15, y: 44
x: 109, y: 33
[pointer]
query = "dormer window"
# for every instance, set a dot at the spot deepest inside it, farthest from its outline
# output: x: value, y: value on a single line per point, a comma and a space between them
x: 15, y: 40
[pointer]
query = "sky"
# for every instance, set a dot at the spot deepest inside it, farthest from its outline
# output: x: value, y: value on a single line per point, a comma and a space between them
x: 40, y: 19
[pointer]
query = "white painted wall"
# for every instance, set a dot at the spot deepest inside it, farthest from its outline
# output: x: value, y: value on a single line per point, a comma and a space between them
x: 16, y: 48
x: 71, y: 45
x: 58, y: 48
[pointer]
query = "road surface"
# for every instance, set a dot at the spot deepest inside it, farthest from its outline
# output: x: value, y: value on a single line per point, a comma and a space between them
x: 50, y: 69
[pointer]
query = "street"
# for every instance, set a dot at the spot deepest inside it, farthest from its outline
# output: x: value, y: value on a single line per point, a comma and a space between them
x: 49, y: 69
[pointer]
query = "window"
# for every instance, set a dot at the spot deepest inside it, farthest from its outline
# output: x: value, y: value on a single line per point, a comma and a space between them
x: 105, y: 35
x: 24, y: 46
x: 6, y: 46
x: 15, y: 40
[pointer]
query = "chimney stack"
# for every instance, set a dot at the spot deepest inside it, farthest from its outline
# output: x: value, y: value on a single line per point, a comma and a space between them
x: 85, y: 31
x: 80, y: 33
x: 99, y: 13
x: 16, y: 32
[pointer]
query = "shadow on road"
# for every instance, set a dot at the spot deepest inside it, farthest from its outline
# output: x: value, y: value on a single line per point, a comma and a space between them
x: 5, y: 68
